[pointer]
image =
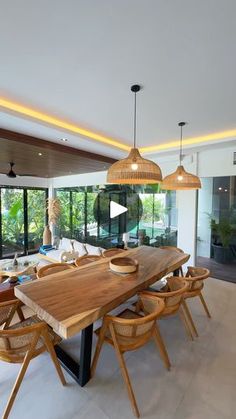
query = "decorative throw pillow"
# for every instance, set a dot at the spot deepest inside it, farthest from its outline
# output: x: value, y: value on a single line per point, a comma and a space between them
x: 93, y: 250
x: 65, y: 244
x: 80, y: 248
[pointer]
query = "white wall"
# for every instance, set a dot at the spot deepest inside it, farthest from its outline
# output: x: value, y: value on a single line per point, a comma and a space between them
x: 217, y: 162
x: 204, y: 208
x: 187, y: 212
x: 87, y: 179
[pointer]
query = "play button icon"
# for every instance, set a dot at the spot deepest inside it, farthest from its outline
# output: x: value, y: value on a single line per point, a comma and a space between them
x: 116, y: 209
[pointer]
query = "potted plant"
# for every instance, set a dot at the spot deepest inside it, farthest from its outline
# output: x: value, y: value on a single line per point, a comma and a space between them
x: 221, y: 234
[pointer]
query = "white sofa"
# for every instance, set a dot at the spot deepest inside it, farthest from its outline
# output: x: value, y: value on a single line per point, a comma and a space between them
x: 69, y: 250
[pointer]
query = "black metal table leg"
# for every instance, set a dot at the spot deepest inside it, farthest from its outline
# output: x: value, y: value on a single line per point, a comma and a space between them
x: 80, y: 372
x: 85, y: 355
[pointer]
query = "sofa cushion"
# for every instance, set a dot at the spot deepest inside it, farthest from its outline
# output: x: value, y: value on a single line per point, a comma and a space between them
x: 65, y: 244
x: 79, y: 247
x: 93, y: 250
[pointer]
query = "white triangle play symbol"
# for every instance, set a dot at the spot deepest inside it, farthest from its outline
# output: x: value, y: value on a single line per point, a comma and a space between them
x: 116, y: 209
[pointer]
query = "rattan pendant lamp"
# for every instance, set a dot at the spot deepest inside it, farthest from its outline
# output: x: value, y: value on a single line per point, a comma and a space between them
x: 134, y: 169
x: 180, y: 179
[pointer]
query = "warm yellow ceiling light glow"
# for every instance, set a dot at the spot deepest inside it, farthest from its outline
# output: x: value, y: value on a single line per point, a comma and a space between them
x: 214, y: 136
x: 59, y: 123
x: 25, y: 111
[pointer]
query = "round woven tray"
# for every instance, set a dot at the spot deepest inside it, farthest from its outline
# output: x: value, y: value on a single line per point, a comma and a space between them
x: 123, y: 265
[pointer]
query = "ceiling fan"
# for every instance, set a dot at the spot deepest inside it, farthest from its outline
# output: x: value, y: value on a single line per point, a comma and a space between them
x: 11, y: 174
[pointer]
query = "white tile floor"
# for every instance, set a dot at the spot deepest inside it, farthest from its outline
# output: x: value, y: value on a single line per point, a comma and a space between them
x: 200, y: 385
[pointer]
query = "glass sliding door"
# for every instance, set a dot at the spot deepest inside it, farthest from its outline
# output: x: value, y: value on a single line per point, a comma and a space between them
x: 158, y: 222
x: 165, y: 216
x: 22, y: 219
x: 65, y: 219
x: 216, y: 228
x: 92, y: 224
x: 78, y: 202
x: 147, y: 220
x: 12, y: 228
x: 159, y: 219
x: 36, y: 212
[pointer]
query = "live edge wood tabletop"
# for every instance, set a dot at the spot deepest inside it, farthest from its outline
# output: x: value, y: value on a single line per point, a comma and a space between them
x: 71, y: 300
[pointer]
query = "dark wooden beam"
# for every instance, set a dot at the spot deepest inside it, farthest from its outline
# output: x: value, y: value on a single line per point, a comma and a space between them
x: 38, y: 142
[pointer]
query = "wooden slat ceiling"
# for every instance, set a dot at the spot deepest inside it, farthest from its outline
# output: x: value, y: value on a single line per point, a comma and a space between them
x: 56, y: 160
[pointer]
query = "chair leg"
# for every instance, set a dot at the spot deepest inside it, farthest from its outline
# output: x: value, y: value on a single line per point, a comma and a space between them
x: 125, y: 374
x: 20, y: 314
x: 204, y: 305
x: 161, y: 346
x: 185, y: 323
x: 20, y: 377
x: 189, y: 316
x: 51, y: 350
x: 98, y: 349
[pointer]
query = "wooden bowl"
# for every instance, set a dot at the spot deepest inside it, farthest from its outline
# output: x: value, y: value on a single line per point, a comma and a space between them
x: 123, y: 265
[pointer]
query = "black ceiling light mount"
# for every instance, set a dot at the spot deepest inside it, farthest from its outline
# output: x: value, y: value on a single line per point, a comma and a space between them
x: 11, y: 172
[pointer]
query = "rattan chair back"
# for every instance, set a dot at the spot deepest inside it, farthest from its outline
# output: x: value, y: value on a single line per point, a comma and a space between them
x: 195, y: 277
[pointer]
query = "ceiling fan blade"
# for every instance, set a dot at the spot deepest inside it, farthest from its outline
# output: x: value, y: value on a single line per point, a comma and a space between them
x: 11, y: 172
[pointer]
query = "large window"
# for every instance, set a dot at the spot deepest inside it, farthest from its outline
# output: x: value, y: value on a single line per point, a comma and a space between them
x: 22, y: 219
x: 216, y: 230
x: 77, y: 220
x: 36, y: 217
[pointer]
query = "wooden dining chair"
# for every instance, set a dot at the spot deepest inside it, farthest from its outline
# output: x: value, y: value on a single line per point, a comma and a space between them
x: 113, y: 251
x: 22, y: 342
x: 173, y: 297
x: 53, y: 268
x: 177, y: 249
x: 84, y: 260
x: 130, y: 331
x: 195, y: 277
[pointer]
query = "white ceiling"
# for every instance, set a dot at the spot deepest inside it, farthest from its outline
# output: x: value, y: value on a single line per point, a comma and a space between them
x: 77, y: 59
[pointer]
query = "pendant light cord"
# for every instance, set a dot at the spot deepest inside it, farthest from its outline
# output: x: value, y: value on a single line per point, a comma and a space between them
x: 181, y: 125
x: 135, y: 119
x: 181, y: 145
x: 135, y: 88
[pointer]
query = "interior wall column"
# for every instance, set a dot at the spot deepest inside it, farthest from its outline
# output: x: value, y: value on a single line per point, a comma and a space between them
x: 187, y: 223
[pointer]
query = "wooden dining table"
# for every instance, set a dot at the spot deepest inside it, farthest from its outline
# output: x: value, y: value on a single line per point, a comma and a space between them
x: 72, y: 300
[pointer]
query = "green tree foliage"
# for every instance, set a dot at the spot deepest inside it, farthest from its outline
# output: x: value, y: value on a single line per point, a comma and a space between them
x: 36, y: 217
x: 152, y: 206
x: 12, y: 215
x: 12, y: 209
x: 64, y: 218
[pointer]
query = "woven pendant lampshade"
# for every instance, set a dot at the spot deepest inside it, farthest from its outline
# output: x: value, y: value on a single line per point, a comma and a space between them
x: 134, y: 169
x: 180, y: 179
